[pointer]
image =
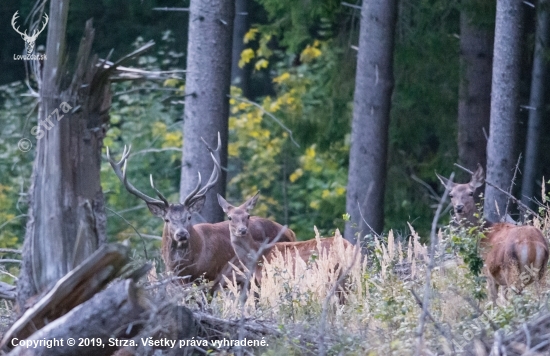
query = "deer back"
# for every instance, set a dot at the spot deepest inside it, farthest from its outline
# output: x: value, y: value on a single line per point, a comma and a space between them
x: 509, y: 246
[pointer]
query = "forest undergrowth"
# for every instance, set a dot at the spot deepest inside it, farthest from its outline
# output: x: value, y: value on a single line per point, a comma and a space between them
x: 383, y: 302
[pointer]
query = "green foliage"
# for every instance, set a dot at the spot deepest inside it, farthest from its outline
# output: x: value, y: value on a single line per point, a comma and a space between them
x: 15, y: 165
x: 422, y: 134
x: 302, y: 186
x: 147, y: 117
x: 298, y: 22
x: 465, y: 242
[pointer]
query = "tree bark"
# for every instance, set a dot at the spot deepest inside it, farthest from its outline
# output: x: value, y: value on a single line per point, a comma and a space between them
x: 371, y: 116
x: 240, y: 77
x: 206, y: 103
x: 504, y: 105
x: 76, y: 287
x: 474, y: 106
x: 66, y: 213
x: 536, y: 102
x: 109, y: 314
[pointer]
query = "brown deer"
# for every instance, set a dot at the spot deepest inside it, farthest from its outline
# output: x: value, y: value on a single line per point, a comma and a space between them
x: 250, y: 251
x: 189, y: 250
x: 514, y: 256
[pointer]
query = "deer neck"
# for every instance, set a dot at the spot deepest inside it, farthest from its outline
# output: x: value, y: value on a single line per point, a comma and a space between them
x: 245, y: 248
x: 174, y: 254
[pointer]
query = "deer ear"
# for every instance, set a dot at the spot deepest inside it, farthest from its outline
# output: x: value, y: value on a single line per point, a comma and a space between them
x: 449, y: 185
x: 157, y: 209
x: 478, y: 178
x: 251, y: 203
x: 224, y: 204
x: 195, y: 206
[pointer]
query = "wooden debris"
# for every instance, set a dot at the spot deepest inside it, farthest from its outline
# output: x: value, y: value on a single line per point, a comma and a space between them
x: 76, y: 287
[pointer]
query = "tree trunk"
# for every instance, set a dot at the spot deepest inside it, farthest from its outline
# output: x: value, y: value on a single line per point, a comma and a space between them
x: 474, y: 106
x: 371, y: 116
x: 536, y: 102
x: 504, y: 105
x: 66, y: 213
x: 206, y: 103
x: 240, y: 76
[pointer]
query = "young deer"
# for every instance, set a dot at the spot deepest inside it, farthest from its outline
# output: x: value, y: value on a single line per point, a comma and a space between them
x: 248, y: 250
x: 514, y: 256
x: 197, y: 250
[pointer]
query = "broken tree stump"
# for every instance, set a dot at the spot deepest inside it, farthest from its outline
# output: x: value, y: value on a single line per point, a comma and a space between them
x: 117, y: 313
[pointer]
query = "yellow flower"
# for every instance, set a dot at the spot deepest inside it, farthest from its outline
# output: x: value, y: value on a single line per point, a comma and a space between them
x: 296, y: 175
x: 250, y: 35
x: 171, y: 82
x: 309, y: 54
x: 262, y: 63
x: 246, y: 57
x: 173, y: 139
x: 283, y: 77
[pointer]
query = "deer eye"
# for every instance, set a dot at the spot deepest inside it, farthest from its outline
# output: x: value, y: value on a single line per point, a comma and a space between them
x: 166, y: 220
x: 229, y: 217
x: 189, y: 217
x: 450, y: 196
x: 471, y: 194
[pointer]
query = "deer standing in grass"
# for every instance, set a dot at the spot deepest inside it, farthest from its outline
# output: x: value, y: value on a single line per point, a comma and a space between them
x: 250, y: 251
x: 514, y: 256
x: 196, y: 250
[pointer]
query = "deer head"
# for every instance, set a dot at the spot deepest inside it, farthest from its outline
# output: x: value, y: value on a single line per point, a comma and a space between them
x: 29, y: 40
x: 177, y: 217
x: 238, y: 216
x: 462, y: 195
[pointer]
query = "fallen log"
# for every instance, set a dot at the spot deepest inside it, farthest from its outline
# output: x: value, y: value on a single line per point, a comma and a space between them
x: 78, y: 286
x: 7, y: 291
x: 529, y: 339
x: 101, y: 323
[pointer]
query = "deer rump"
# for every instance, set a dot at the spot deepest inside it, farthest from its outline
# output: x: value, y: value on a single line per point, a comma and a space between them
x: 217, y: 250
x: 511, y: 251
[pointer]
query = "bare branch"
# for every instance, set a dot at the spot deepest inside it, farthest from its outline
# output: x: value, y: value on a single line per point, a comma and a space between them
x: 181, y: 9
x: 132, y: 226
x: 516, y: 169
x: 427, y: 287
x: 357, y: 7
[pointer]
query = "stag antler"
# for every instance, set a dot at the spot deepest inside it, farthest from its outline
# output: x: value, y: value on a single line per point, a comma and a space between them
x: 13, y: 19
x: 121, y: 174
x: 197, y: 194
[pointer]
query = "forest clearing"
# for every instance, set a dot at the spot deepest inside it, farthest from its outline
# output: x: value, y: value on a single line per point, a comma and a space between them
x: 274, y: 177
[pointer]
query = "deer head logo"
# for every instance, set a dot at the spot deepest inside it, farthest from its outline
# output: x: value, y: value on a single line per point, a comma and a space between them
x: 29, y: 40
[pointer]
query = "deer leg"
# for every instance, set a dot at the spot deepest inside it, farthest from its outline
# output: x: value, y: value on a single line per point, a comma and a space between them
x: 493, y: 289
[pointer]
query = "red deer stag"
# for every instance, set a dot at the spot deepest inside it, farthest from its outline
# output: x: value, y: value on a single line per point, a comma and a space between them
x: 197, y: 250
x: 247, y: 248
x: 514, y: 256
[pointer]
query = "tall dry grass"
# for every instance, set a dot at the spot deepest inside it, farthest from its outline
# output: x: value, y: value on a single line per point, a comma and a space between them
x: 380, y: 314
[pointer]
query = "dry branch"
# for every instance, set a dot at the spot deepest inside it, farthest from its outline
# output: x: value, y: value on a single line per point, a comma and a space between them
x: 532, y: 338
x: 111, y: 313
x: 7, y: 291
x: 76, y: 287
